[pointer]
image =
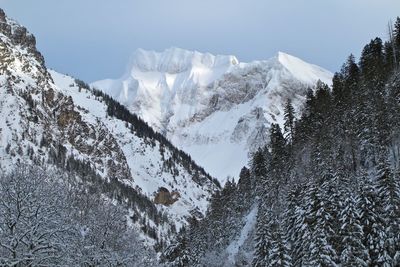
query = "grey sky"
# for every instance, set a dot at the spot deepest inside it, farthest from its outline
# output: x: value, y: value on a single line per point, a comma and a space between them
x: 93, y: 39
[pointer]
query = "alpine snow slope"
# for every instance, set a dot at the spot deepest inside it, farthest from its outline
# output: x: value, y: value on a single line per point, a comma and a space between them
x: 213, y: 107
x: 54, y: 121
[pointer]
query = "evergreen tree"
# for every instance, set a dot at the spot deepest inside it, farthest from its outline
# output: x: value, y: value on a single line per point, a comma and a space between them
x: 304, y: 223
x: 279, y: 254
x: 372, y: 64
x: 354, y: 252
x: 373, y: 226
x: 346, y: 82
x: 245, y: 191
x: 263, y: 240
x: 295, y: 224
x: 338, y: 87
x: 322, y: 216
x: 390, y: 57
x: 259, y: 171
x: 289, y: 116
x: 388, y: 190
x: 244, y: 183
x: 304, y: 127
x: 352, y: 75
x: 396, y: 38
x: 346, y: 111
x: 279, y: 155
x: 310, y: 102
x: 372, y: 114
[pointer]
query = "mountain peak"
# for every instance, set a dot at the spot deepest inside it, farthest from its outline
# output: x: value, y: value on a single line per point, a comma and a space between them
x: 211, y: 106
x: 19, y: 36
x: 302, y: 70
x: 175, y: 60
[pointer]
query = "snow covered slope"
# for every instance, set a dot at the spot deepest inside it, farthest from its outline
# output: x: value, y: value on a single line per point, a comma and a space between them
x: 145, y: 161
x: 52, y: 120
x: 213, y: 107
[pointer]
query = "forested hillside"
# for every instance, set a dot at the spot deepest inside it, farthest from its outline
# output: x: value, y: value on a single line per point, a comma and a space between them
x: 326, y: 187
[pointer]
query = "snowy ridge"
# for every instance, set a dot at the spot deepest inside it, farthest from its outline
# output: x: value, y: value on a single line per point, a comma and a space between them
x: 305, y: 72
x: 213, y: 107
x: 175, y: 60
x: 166, y: 83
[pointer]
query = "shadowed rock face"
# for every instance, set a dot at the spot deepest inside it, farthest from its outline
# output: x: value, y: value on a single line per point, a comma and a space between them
x: 2, y: 15
x: 166, y: 198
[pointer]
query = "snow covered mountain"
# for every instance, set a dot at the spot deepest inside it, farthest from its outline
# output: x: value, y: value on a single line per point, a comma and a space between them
x: 213, y: 107
x: 54, y: 121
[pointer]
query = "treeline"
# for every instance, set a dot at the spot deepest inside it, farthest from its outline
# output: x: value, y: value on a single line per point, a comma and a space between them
x: 143, y: 130
x: 327, y: 184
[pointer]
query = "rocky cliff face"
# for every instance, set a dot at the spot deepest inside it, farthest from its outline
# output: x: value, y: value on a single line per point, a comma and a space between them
x: 39, y: 111
x: 54, y: 121
x: 165, y: 197
x: 213, y: 107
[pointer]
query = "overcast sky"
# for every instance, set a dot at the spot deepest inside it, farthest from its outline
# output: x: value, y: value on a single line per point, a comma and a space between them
x: 93, y: 39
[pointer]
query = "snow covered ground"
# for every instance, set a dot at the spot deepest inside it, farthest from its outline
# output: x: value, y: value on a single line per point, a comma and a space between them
x: 250, y: 224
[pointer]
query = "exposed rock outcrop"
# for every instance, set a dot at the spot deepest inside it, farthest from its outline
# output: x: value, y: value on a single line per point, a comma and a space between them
x: 19, y: 36
x: 165, y: 197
